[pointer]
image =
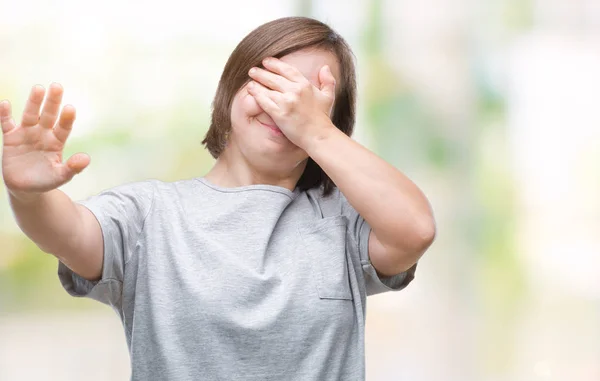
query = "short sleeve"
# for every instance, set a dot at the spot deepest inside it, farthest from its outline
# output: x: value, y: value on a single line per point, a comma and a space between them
x: 121, y: 212
x: 360, y: 230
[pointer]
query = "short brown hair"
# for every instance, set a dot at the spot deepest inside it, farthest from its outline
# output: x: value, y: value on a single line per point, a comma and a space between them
x: 277, y: 39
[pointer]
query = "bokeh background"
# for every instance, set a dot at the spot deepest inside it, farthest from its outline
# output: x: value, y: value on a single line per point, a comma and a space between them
x: 492, y: 107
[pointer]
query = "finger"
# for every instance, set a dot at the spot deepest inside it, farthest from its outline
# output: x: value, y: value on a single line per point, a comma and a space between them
x: 65, y: 123
x: 76, y: 163
x: 51, y: 106
x: 263, y: 97
x: 327, y: 82
x: 285, y: 70
x: 6, y: 120
x: 31, y: 114
x: 270, y: 80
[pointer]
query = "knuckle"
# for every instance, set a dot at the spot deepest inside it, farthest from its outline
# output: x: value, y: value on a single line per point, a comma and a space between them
x: 290, y: 98
x: 304, y: 88
x: 289, y: 71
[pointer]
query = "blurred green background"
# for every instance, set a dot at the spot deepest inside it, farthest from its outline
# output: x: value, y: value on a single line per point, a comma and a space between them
x: 491, y: 107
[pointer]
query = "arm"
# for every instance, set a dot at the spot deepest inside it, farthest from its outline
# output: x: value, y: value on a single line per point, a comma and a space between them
x: 400, y: 217
x: 32, y: 170
x: 63, y: 228
x: 399, y: 214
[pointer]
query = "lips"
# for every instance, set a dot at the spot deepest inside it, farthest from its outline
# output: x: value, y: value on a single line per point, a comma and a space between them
x: 272, y: 127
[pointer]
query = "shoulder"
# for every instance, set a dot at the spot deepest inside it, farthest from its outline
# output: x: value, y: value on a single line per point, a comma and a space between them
x: 143, y: 189
x: 172, y: 191
x: 152, y: 188
x: 140, y: 194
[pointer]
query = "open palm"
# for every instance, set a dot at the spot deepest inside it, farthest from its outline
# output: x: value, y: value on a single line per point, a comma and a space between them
x: 32, y: 152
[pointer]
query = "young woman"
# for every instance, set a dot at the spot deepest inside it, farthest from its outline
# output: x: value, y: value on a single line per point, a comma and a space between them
x: 260, y: 269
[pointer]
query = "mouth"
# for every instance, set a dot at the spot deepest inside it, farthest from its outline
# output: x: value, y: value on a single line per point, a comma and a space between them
x: 274, y: 129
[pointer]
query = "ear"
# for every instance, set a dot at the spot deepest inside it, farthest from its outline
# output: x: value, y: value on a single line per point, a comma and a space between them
x: 327, y: 82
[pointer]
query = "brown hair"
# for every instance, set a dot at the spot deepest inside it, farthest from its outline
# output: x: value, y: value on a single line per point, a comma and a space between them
x: 277, y: 39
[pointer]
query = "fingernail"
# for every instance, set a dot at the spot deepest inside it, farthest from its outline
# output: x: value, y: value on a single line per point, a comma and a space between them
x: 251, y: 85
x: 252, y: 71
x: 267, y: 60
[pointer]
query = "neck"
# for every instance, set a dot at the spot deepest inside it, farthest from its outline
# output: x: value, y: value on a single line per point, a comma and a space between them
x: 231, y: 170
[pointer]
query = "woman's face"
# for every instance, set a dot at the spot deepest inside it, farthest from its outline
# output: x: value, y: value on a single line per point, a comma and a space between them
x: 253, y: 131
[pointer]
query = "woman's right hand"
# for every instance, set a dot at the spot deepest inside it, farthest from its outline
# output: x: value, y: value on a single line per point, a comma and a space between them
x: 32, y: 152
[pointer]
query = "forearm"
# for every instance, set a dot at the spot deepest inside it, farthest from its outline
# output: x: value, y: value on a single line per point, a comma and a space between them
x: 395, y: 208
x: 50, y: 219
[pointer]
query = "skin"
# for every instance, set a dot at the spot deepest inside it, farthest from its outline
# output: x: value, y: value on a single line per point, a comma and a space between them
x: 278, y: 120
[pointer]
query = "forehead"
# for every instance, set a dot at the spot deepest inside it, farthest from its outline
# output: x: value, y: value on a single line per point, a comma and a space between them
x: 310, y: 61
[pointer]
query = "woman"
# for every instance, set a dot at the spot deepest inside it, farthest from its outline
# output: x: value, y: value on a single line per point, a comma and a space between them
x: 260, y: 269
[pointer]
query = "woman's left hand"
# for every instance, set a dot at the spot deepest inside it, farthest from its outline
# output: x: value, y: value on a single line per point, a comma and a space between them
x: 300, y: 110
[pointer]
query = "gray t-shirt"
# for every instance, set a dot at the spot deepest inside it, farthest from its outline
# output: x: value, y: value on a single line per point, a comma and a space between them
x: 249, y: 283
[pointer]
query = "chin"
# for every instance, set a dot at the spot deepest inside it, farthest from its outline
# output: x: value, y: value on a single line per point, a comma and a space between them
x: 284, y: 153
x: 274, y: 161
x: 271, y: 153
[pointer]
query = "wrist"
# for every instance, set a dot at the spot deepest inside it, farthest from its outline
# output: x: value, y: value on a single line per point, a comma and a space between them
x: 24, y: 197
x: 312, y: 143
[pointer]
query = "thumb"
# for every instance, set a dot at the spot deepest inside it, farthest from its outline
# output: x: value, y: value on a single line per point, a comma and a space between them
x: 327, y: 82
x: 77, y: 163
